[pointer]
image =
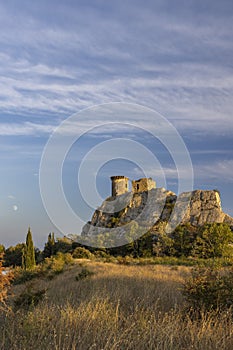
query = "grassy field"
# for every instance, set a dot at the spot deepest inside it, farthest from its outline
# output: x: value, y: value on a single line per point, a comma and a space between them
x: 117, y: 307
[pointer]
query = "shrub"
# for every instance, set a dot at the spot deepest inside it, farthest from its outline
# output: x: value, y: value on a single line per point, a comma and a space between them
x: 53, y: 266
x: 67, y: 258
x: 101, y: 254
x: 22, y: 276
x: 49, y: 268
x: 126, y: 260
x: 5, y: 279
x: 82, y: 253
x: 209, y: 289
x: 56, y: 264
x: 29, y: 298
x: 84, y: 274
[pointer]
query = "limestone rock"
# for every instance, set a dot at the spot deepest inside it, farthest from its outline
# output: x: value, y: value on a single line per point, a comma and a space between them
x: 197, y: 208
x: 204, y: 207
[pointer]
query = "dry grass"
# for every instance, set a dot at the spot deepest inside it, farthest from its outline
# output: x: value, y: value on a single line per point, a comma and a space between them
x: 119, y: 307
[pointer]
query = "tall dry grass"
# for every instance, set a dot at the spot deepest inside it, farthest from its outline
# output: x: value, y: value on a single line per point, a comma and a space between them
x: 119, y: 307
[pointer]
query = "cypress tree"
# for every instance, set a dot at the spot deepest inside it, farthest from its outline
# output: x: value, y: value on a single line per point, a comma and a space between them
x: 49, y: 246
x: 24, y: 257
x: 28, y: 258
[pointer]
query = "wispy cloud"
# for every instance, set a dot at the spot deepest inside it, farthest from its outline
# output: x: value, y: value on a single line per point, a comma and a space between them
x: 215, y: 170
x: 24, y: 129
x: 10, y: 196
x: 68, y: 67
x: 212, y: 170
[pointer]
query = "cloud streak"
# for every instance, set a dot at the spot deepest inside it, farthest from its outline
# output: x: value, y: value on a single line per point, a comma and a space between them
x: 218, y: 169
x: 24, y: 129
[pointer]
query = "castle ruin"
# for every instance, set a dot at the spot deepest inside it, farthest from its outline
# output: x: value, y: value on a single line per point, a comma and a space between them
x: 120, y: 185
x: 144, y: 184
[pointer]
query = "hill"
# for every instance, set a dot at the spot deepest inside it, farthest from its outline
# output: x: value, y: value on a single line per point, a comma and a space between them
x: 116, y: 307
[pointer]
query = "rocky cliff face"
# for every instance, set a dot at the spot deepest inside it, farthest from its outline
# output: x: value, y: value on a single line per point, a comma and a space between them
x: 204, y: 207
x: 196, y: 207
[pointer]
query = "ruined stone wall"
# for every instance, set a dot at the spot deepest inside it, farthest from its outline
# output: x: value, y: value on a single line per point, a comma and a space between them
x: 142, y: 185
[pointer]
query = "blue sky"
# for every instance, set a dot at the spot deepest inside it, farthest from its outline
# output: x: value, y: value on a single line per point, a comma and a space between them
x: 58, y: 57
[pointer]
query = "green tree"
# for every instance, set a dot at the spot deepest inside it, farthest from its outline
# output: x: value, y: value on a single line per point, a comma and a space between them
x: 28, y: 258
x: 137, y: 240
x: 63, y: 245
x: 2, y: 249
x: 49, y: 248
x: 146, y: 245
x: 213, y: 240
x: 184, y: 237
x: 163, y: 245
x: 131, y: 237
x: 13, y: 255
x: 38, y: 256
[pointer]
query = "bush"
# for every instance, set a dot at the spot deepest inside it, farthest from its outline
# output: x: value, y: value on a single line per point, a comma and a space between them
x: 49, y: 268
x: 56, y: 264
x: 126, y: 260
x: 5, y: 280
x: 53, y: 266
x: 67, y: 258
x: 22, y: 276
x: 209, y: 289
x: 101, y: 254
x: 29, y: 298
x: 82, y: 253
x: 84, y: 274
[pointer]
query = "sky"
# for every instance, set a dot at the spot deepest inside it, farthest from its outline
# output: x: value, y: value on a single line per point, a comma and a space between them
x: 58, y: 58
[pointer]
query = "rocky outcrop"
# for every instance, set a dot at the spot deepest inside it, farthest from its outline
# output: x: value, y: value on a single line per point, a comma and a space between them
x: 197, y: 208
x: 119, y: 211
x: 204, y: 207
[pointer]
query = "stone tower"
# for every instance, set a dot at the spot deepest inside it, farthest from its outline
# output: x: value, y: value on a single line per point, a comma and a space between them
x: 119, y: 185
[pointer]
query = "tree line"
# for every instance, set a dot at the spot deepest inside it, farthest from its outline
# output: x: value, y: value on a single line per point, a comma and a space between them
x: 208, y: 241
